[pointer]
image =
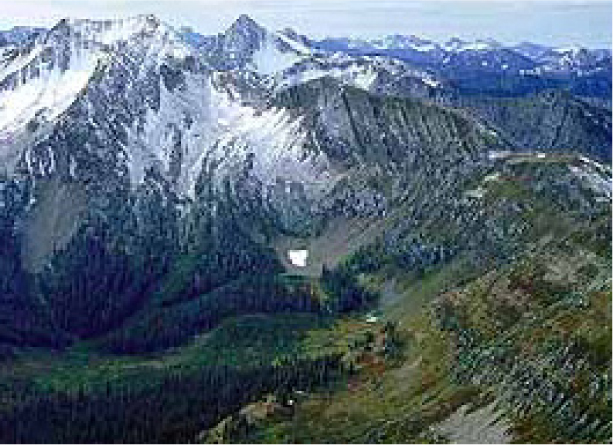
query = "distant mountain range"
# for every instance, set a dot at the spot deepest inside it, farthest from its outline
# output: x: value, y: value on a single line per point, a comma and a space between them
x: 584, y: 70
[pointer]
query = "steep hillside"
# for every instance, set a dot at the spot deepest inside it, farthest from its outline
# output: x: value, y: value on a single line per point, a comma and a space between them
x: 553, y: 121
x: 498, y: 353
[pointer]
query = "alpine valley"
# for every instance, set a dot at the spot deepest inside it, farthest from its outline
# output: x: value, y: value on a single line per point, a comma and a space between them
x: 261, y: 237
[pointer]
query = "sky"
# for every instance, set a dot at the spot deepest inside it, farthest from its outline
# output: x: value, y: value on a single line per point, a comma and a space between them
x: 553, y: 22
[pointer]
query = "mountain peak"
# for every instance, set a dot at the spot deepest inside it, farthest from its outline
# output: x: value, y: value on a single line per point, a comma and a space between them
x: 244, y: 23
x: 134, y: 24
x: 399, y: 41
x: 244, y: 36
x: 456, y: 44
x: 47, y: 77
x: 111, y: 31
x: 244, y: 19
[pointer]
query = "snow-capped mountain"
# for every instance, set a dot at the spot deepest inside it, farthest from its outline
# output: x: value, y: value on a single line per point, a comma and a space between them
x: 531, y: 50
x: 63, y: 70
x: 282, y: 59
x: 376, y: 74
x: 184, y: 113
x: 526, y: 67
x: 572, y: 60
x: 135, y: 130
x: 247, y: 45
x: 458, y: 45
x: 469, y: 65
x: 132, y: 111
x: 40, y: 84
x: 398, y: 41
x: 82, y: 63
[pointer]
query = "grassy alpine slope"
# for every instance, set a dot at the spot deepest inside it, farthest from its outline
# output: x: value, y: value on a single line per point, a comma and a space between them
x: 517, y: 351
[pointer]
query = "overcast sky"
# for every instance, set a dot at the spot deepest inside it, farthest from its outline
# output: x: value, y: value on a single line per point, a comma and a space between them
x: 558, y: 22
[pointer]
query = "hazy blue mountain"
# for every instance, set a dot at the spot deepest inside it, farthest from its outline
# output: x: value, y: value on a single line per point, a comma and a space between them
x: 19, y: 35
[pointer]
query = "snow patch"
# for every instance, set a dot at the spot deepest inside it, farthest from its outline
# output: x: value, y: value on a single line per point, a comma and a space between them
x: 359, y: 76
x: 594, y: 178
x: 477, y: 193
x: 298, y: 257
x: 164, y: 134
x: 574, y: 49
x: 492, y: 178
x: 431, y: 82
x: 269, y: 59
x: 295, y: 45
x: 224, y: 136
x: 52, y: 93
x: 457, y: 45
x: 496, y: 155
x: 365, y: 79
x: 20, y: 62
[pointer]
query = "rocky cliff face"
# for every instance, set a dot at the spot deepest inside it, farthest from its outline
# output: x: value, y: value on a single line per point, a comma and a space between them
x: 551, y: 121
